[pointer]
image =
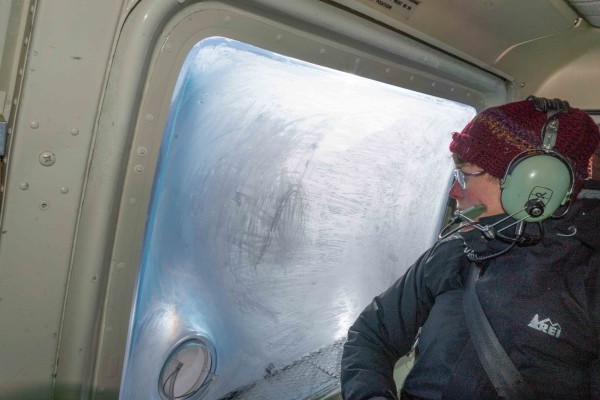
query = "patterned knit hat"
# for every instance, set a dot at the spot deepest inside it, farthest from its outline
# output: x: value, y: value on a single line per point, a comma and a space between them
x: 498, y: 134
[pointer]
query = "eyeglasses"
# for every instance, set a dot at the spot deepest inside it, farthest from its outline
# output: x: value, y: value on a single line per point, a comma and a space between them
x: 459, y: 175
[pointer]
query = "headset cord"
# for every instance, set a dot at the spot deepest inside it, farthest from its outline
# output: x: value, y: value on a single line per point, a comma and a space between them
x: 474, y: 257
x: 520, y: 238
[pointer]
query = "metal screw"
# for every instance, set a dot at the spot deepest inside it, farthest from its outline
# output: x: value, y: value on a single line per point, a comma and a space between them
x: 24, y: 185
x: 139, y: 169
x: 47, y: 158
x: 44, y: 205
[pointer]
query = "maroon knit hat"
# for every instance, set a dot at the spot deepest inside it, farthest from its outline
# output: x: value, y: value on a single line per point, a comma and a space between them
x: 498, y: 134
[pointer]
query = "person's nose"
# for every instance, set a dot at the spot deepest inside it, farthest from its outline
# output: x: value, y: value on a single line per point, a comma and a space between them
x: 456, y: 192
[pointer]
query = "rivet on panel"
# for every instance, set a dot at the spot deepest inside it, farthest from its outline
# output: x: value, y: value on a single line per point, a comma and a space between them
x: 523, y: 84
x: 34, y: 124
x: 227, y: 19
x: 47, y: 158
x: 142, y: 151
x: 451, y: 89
x: 279, y: 36
x: 74, y: 131
x: 64, y: 190
x: 122, y: 265
x: 44, y: 205
x: 357, y: 61
x: 139, y: 169
x: 23, y: 185
x: 94, y: 278
x: 432, y: 84
x: 132, y: 201
x: 322, y: 51
x: 468, y: 94
x: 149, y: 117
x: 412, y: 78
x: 387, y: 70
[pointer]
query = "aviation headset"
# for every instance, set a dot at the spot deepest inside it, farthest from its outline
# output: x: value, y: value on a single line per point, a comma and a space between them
x: 538, y: 181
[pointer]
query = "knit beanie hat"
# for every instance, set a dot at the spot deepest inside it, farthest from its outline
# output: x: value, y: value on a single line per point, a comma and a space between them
x: 498, y: 134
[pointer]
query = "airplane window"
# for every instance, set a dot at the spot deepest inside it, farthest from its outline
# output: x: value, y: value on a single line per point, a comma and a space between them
x: 286, y: 196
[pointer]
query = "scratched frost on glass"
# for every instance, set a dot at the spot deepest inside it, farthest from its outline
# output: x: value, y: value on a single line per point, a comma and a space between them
x: 287, y: 195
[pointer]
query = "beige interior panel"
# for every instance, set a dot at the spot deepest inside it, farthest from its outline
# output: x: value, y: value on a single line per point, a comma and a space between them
x: 564, y: 65
x: 479, y: 31
x: 578, y: 80
x: 62, y: 88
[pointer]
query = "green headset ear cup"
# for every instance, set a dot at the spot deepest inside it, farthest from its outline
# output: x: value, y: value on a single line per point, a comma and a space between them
x: 540, y: 176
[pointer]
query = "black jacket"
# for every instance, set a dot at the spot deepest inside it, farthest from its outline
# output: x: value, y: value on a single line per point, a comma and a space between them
x: 543, y: 302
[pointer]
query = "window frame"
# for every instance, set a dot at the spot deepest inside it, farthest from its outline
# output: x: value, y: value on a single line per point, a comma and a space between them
x: 152, y: 46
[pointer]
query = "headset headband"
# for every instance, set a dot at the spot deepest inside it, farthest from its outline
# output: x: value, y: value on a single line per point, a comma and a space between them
x: 553, y: 108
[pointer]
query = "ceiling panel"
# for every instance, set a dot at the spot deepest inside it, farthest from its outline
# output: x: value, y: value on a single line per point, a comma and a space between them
x: 480, y: 31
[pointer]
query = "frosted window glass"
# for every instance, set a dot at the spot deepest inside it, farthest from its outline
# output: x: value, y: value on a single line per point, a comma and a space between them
x: 287, y: 195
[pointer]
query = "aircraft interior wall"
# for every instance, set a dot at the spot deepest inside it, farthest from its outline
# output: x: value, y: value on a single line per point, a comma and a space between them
x: 215, y: 176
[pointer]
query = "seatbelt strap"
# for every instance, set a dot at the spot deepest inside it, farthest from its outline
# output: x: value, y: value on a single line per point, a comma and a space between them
x: 503, y: 374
